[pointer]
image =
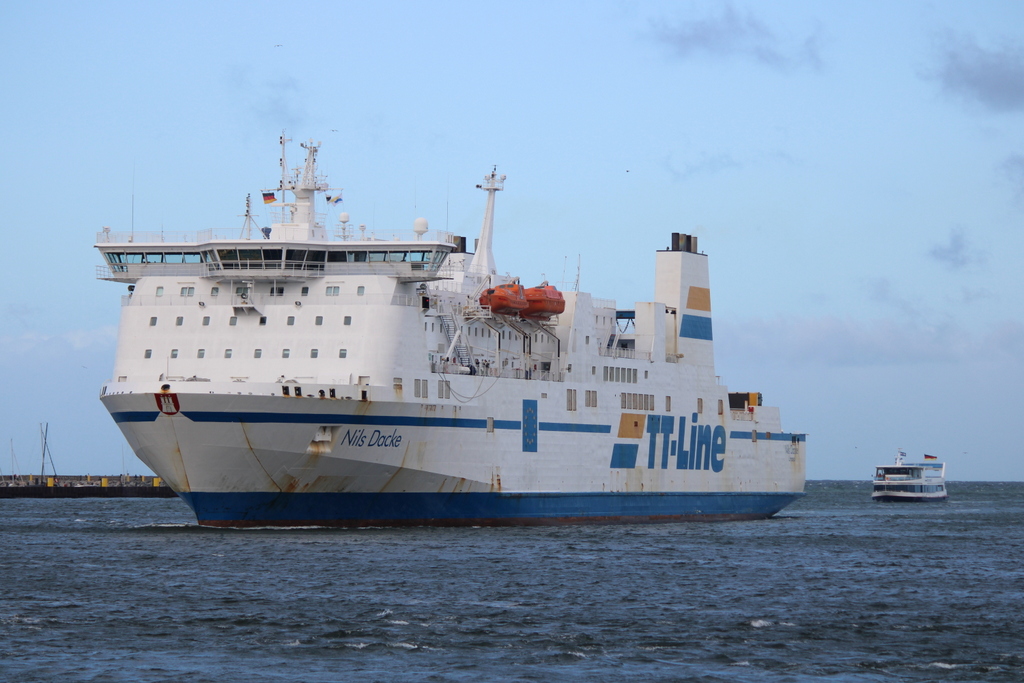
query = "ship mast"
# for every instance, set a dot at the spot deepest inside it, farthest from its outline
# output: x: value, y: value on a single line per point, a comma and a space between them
x: 303, y: 184
x: 481, y: 268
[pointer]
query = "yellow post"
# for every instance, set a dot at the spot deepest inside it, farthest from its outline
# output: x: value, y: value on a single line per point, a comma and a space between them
x: 156, y: 481
x: 49, y: 482
x: 103, y: 481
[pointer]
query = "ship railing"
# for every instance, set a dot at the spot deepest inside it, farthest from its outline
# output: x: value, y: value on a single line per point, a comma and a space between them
x: 615, y: 352
x: 482, y: 370
x: 603, y: 303
x: 233, y: 234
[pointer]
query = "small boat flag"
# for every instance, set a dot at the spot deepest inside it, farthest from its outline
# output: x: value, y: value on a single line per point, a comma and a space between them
x: 336, y: 199
x: 269, y: 198
x: 930, y: 457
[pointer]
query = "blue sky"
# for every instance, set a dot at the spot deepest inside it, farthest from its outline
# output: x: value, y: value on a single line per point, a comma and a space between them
x: 855, y: 172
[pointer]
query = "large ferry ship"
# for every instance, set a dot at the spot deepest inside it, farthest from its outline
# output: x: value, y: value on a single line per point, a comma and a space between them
x: 282, y: 376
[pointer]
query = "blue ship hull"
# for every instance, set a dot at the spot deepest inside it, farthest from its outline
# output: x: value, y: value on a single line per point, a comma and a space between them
x: 476, y: 509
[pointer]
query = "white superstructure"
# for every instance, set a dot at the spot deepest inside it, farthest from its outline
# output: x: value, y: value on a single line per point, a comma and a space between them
x: 277, y: 376
x: 910, y: 482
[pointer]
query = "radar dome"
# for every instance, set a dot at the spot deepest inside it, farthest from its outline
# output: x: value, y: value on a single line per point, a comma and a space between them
x: 419, y: 226
x: 343, y: 216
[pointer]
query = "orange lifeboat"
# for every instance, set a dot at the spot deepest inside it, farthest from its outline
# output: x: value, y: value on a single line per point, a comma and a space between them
x: 508, y: 299
x: 542, y: 302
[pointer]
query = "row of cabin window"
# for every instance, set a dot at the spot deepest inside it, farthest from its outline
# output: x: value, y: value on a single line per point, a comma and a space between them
x: 275, y: 255
x: 274, y: 290
x: 257, y: 353
x: 233, y: 320
x: 628, y: 375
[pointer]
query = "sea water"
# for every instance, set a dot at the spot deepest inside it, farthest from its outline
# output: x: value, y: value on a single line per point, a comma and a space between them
x: 835, y: 588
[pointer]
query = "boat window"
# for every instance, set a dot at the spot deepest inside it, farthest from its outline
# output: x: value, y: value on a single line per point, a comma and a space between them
x: 313, y: 353
x: 396, y: 256
x: 342, y: 353
x: 315, y: 256
x: 188, y: 291
x: 271, y: 254
x: 133, y: 258
x: 154, y: 258
x: 191, y: 257
x: 233, y: 320
x: 333, y: 291
x: 295, y: 255
x: 201, y: 353
x: 700, y: 405
x: 227, y: 353
x: 159, y: 291
x: 439, y: 256
x: 113, y: 258
x: 214, y: 291
x: 337, y: 256
x: 668, y: 404
x: 285, y: 353
x: 305, y: 291
x: 418, y: 256
x: 152, y: 322
x: 250, y: 255
x: 179, y: 321
x: 348, y: 320
x: 263, y: 320
x: 206, y: 320
x: 149, y: 353
x: 174, y: 353
x: 721, y: 407
x: 227, y: 254
x: 208, y: 257
x: 257, y: 353
x: 277, y: 291
x: 174, y: 258
x: 357, y: 256
x: 319, y: 320
x: 291, y: 320
x: 360, y: 290
x: 378, y: 256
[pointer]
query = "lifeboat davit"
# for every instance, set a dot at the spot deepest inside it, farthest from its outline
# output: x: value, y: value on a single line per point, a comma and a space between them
x: 542, y: 302
x: 508, y: 299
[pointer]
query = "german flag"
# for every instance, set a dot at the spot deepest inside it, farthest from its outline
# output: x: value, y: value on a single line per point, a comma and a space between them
x: 930, y: 457
x: 269, y: 198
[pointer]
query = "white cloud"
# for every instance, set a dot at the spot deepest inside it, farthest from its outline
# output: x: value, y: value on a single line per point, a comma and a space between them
x: 993, y: 78
x: 844, y: 342
x: 732, y: 34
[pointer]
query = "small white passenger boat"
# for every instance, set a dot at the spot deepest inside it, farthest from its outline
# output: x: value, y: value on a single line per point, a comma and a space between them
x: 910, y: 482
